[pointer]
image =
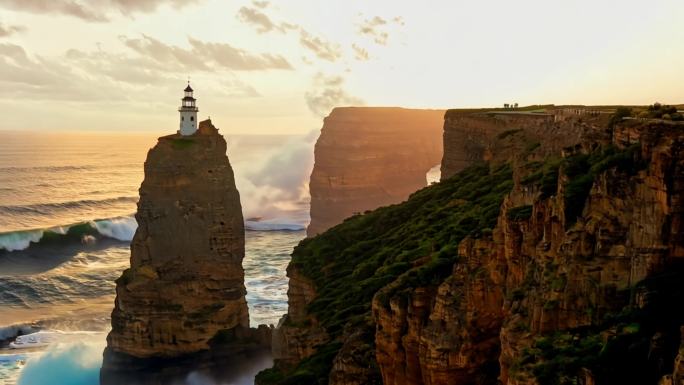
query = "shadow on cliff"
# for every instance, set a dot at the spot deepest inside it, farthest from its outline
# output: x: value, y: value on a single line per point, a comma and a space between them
x: 209, y: 368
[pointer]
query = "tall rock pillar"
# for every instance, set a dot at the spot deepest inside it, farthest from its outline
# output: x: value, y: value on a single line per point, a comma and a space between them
x: 185, y: 289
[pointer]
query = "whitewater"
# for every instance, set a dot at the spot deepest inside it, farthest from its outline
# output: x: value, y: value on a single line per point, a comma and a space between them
x: 67, y: 204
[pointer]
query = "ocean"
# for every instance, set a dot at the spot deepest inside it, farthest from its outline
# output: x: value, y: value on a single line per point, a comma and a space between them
x: 66, y: 218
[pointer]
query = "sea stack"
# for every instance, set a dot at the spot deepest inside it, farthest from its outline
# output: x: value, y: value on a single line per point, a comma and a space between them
x: 184, y: 292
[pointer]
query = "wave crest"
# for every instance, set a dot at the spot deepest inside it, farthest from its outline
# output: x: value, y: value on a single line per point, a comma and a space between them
x: 121, y: 228
x: 19, y: 240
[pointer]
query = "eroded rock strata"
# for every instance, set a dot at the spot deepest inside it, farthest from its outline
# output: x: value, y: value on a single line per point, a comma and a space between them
x: 469, y: 135
x: 371, y: 157
x: 545, y: 265
x: 184, y: 292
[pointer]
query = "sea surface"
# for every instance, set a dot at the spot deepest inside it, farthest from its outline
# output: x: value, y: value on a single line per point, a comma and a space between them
x: 66, y: 218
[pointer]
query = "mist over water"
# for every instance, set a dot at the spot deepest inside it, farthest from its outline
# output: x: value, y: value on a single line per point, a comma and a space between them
x: 66, y: 206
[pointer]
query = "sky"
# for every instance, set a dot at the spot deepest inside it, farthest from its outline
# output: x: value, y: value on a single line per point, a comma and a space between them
x: 279, y: 67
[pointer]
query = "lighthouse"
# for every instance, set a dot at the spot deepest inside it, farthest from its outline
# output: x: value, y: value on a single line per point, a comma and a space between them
x: 188, y: 113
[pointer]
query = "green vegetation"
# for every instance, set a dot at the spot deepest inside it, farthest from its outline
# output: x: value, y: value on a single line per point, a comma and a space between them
x: 374, y: 249
x: 620, y: 113
x: 529, y: 148
x: 367, y: 252
x: 620, y: 349
x: 520, y: 213
x: 582, y: 169
x: 461, y: 111
x: 545, y: 175
x: 661, y: 111
x: 182, y: 143
x: 311, y: 371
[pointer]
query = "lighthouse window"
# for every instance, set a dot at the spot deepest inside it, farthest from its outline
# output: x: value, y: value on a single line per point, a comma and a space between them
x: 182, y: 118
x: 192, y: 118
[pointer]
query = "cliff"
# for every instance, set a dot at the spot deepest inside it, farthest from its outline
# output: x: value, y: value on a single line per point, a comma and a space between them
x: 469, y: 135
x: 184, y: 292
x: 542, y: 266
x: 371, y: 157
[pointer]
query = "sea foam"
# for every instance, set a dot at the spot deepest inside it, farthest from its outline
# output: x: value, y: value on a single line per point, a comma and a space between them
x: 122, y: 229
x: 19, y: 240
x: 12, y: 331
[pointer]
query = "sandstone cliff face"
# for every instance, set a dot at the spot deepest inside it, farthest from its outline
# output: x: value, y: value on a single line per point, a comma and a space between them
x: 540, y: 279
x: 577, y: 279
x: 298, y: 334
x: 371, y: 157
x: 185, y: 287
x: 469, y: 136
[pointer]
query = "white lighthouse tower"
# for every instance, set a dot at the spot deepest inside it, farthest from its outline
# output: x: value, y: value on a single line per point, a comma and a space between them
x: 188, y: 113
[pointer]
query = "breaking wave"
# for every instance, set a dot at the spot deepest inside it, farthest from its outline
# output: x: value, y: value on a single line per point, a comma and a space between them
x: 121, y: 228
x: 12, y: 331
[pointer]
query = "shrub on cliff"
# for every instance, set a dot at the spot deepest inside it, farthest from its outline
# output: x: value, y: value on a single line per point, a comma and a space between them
x: 636, y: 346
x: 662, y: 111
x: 582, y: 169
x: 620, y: 113
x: 520, y: 213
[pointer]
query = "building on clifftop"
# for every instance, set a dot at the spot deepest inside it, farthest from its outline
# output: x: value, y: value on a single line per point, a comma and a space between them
x: 188, y: 113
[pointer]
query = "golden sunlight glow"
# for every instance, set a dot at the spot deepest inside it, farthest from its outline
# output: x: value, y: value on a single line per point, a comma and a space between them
x: 279, y: 66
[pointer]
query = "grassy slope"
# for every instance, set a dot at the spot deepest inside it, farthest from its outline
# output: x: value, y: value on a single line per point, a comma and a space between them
x: 352, y: 261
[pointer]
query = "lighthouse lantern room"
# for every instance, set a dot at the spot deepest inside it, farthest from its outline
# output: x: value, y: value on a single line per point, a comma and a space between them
x: 188, y: 113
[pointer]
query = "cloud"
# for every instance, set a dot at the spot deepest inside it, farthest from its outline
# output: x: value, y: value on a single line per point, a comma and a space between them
x: 205, y: 56
x: 376, y: 28
x: 327, y: 94
x: 237, y: 59
x: 118, y: 67
x: 360, y: 53
x: 373, y: 28
x: 100, y: 76
x: 90, y: 10
x: 8, y: 30
x: 257, y: 18
x: 261, y: 21
x: 17, y: 68
x: 321, y: 48
x: 261, y: 4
